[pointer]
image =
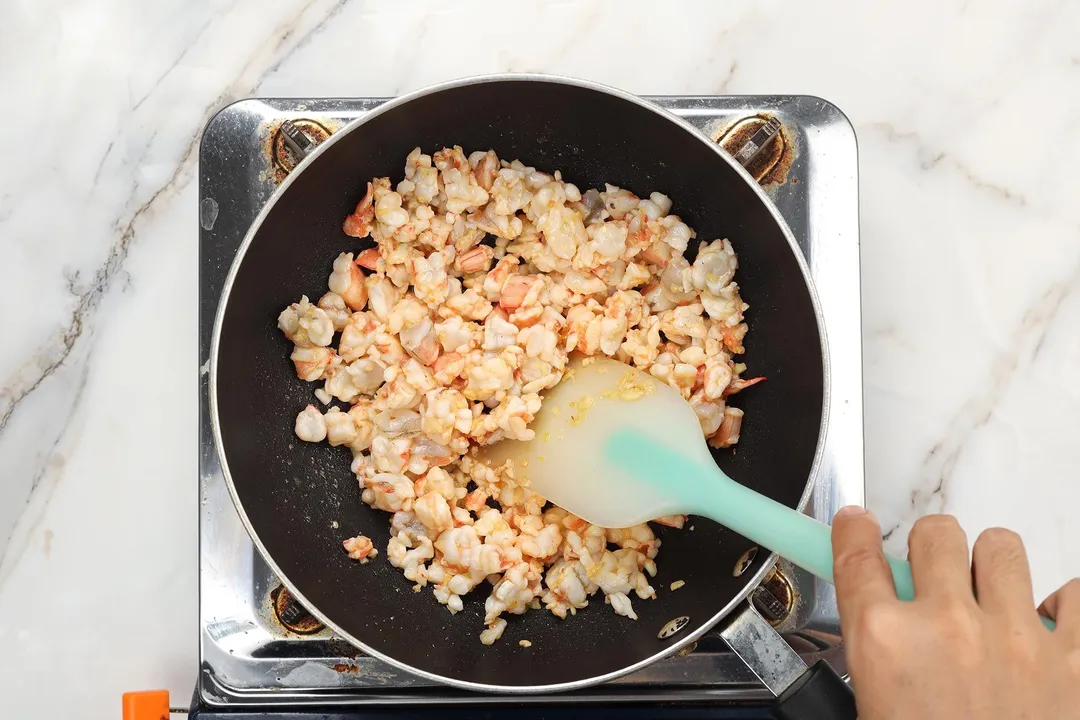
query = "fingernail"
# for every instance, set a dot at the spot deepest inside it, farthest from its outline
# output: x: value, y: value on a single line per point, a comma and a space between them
x: 850, y: 511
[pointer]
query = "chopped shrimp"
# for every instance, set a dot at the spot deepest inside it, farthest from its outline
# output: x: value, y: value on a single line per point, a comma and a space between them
x: 710, y: 414
x: 433, y: 510
x: 392, y: 492
x: 348, y: 281
x: 340, y: 427
x: 312, y: 362
x: 369, y: 259
x: 717, y: 378
x: 519, y: 290
x: 498, y: 276
x: 360, y: 548
x: 493, y: 632
x: 474, y: 260
x: 381, y: 295
x: 728, y: 432
x: 335, y: 308
x: 306, y: 325
x: 310, y: 425
x: 485, y: 166
x: 733, y: 338
x: 357, y: 336
x: 484, y: 277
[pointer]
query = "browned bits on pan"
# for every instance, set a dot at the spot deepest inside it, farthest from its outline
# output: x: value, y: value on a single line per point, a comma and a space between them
x: 292, y: 615
x: 347, y: 668
x: 775, y: 597
x: 744, y: 561
x: 282, y: 158
x: 772, y: 164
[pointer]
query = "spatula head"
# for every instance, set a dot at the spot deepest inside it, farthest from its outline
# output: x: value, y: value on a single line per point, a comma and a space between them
x: 567, y: 463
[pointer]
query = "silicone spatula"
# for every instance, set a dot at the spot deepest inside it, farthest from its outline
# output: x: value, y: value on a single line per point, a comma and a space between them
x: 617, y: 447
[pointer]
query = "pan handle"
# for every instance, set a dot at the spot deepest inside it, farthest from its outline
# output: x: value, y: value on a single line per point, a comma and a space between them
x: 815, y: 693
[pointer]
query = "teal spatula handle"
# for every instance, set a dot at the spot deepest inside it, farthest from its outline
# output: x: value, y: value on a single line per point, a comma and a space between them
x: 705, y: 490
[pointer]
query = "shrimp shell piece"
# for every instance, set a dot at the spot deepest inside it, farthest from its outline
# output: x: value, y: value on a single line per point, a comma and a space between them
x: 358, y: 223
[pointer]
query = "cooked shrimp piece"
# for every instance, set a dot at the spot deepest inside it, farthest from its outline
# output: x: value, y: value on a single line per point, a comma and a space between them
x: 306, y: 325
x: 485, y: 165
x: 421, y: 342
x: 493, y: 632
x: 360, y: 548
x: 381, y: 295
x: 498, y: 276
x: 544, y: 544
x: 391, y: 492
x: 357, y: 336
x: 474, y: 259
x: 456, y: 545
x: 310, y: 425
x: 730, y: 427
x: 312, y: 363
x: 347, y: 281
x: 515, y: 291
x: 433, y: 510
x: 340, y: 428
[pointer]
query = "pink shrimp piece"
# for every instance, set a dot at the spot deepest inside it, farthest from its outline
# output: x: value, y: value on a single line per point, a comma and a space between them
x: 486, y: 169
x: 739, y: 384
x: 573, y: 522
x: 444, y: 361
x: 427, y: 352
x: 360, y: 548
x: 474, y: 259
x: 368, y: 259
x: 673, y: 521
x: 730, y: 427
x: 514, y: 291
x: 659, y: 253
x: 733, y: 338
x: 527, y: 317
x: 476, y: 500
x: 358, y: 224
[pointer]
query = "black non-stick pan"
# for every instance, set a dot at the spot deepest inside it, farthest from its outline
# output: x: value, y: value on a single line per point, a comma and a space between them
x: 289, y: 493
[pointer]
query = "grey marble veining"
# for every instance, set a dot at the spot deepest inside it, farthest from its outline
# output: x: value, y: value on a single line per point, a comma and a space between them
x: 969, y: 131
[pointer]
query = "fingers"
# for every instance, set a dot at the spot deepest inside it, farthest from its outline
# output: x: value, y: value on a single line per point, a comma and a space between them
x: 1063, y: 607
x: 860, y: 571
x: 1002, y: 575
x: 938, y: 551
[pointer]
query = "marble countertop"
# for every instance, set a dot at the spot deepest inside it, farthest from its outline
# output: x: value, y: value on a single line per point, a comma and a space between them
x: 968, y: 118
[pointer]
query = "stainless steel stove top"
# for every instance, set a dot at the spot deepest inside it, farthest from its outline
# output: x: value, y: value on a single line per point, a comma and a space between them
x: 258, y: 647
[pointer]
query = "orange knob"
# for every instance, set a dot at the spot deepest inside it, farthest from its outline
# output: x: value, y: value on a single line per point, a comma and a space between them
x: 146, y: 705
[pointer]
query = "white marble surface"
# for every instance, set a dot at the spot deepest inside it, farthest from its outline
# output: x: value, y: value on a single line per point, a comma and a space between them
x: 968, y: 116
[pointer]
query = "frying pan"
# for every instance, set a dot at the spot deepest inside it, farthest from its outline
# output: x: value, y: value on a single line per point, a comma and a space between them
x: 299, y: 500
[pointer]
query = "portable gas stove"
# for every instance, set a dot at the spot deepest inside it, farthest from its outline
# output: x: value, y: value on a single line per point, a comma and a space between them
x: 262, y: 655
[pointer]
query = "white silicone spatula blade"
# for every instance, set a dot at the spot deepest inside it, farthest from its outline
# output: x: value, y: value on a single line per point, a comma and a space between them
x: 617, y: 447
x: 566, y: 461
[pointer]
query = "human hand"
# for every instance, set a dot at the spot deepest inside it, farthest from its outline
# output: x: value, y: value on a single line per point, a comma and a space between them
x: 956, y: 651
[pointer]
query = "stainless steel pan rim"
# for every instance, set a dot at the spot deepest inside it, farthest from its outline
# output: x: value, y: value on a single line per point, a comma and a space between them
x: 253, y: 230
